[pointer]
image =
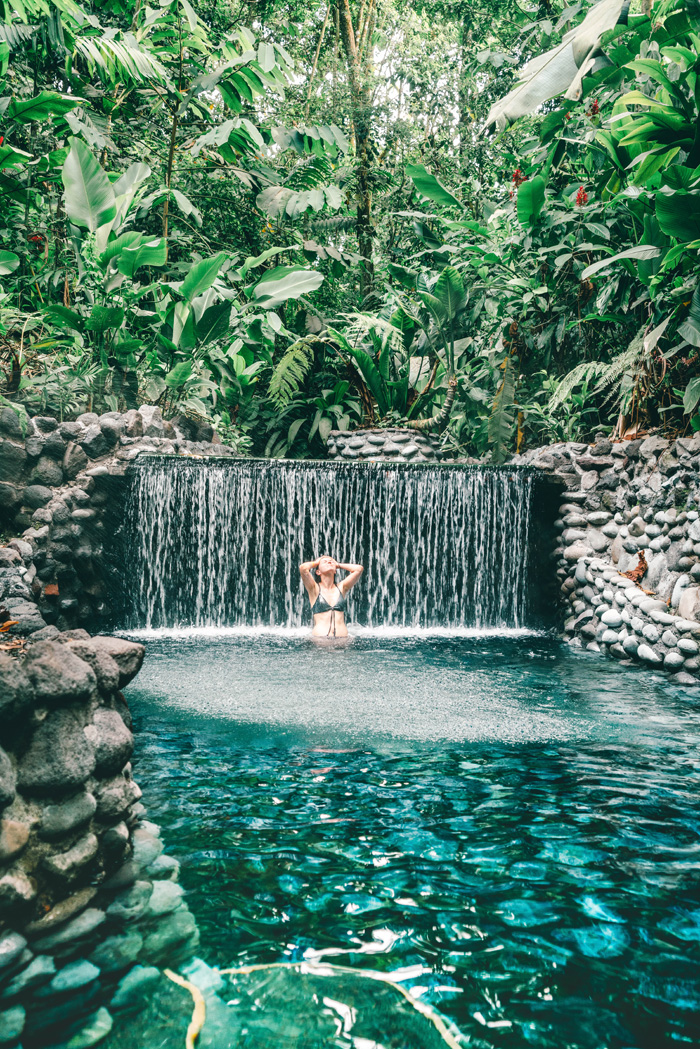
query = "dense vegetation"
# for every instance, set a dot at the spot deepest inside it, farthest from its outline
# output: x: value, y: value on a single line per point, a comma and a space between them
x: 290, y: 218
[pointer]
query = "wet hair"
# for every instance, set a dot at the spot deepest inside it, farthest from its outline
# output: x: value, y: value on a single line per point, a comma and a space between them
x: 316, y: 573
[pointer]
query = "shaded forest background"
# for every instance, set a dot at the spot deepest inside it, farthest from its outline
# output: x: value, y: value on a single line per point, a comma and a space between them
x: 289, y: 218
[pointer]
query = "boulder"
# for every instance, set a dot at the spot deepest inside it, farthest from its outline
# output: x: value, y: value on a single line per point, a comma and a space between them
x: 74, y: 460
x: 57, y: 820
x: 105, y: 669
x: 12, y: 947
x: 152, y: 420
x: 94, y: 443
x: 112, y: 741
x: 126, y: 654
x: 61, y: 913
x: 689, y: 603
x: 14, y: 835
x: 10, y: 423
x: 68, y: 866
x: 60, y: 757
x: 114, y: 797
x: 13, y: 461
x: 54, y: 446
x: 133, y: 423
x: 72, y: 931
x: 47, y: 472
x: 57, y: 673
x: 8, y: 778
x: 16, y: 892
x: 36, y: 495
x: 16, y: 691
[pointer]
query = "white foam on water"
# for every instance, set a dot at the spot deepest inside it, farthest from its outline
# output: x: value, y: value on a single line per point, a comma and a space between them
x: 214, y: 633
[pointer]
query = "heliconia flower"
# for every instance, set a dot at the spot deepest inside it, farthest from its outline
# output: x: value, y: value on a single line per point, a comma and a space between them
x: 518, y: 178
x: 595, y: 108
x: 581, y: 197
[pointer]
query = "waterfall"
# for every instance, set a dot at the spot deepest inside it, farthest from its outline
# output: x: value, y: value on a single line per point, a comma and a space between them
x: 218, y: 542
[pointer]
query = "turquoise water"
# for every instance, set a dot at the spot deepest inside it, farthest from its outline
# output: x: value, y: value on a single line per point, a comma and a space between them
x: 508, y: 826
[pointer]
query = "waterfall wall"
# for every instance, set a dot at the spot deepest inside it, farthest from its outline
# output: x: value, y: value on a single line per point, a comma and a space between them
x: 218, y: 543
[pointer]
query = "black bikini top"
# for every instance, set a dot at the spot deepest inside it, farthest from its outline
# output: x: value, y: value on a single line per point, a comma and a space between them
x: 321, y: 605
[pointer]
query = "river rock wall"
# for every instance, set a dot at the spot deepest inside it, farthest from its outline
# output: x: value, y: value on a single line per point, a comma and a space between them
x: 387, y: 445
x: 60, y: 497
x: 85, y: 892
x: 621, y: 501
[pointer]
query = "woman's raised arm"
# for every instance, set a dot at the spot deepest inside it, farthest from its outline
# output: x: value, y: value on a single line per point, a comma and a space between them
x: 308, y: 580
x: 355, y: 571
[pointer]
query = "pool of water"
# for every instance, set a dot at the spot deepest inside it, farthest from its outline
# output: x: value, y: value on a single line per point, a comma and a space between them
x: 509, y: 827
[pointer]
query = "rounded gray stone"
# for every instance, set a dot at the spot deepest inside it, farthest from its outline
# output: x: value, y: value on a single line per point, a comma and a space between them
x: 611, y: 618
x: 673, y: 660
x: 648, y: 655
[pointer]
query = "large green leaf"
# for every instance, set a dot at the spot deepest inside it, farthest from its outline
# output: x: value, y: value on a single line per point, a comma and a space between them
x: 639, y: 251
x: 449, y: 289
x: 690, y: 328
x: 89, y: 198
x: 285, y: 282
x: 43, y: 105
x: 530, y: 200
x: 201, y: 276
x: 8, y: 262
x: 148, y: 253
x: 429, y: 186
x: 679, y: 214
x: 560, y: 70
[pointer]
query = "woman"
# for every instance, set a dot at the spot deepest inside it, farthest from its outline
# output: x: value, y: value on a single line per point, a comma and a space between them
x: 326, y: 596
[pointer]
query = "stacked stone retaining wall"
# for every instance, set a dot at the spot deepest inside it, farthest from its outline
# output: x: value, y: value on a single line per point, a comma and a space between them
x: 387, y: 445
x: 59, y: 495
x: 620, y: 500
x: 88, y: 903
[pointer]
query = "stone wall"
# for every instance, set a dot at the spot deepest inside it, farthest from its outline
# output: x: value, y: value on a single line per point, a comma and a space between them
x: 59, y: 491
x: 619, y: 501
x: 395, y: 445
x: 85, y: 892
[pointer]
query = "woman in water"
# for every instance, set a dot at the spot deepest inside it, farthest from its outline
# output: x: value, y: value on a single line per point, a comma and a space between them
x: 327, y: 597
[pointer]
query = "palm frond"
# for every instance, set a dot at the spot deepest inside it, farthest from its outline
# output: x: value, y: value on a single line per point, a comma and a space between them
x: 290, y: 372
x: 120, y: 60
x: 581, y: 373
x: 16, y: 35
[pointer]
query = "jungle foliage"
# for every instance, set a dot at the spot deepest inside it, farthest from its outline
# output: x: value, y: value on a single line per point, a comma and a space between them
x: 292, y: 218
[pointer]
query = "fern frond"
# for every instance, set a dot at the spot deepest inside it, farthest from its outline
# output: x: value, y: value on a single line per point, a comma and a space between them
x: 626, y: 361
x: 581, y: 373
x: 334, y: 224
x: 368, y: 325
x: 290, y: 372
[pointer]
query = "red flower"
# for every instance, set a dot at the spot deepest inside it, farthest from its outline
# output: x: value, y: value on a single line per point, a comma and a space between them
x: 595, y: 109
x: 581, y: 197
x: 518, y: 178
x: 2, y: 139
x: 36, y: 238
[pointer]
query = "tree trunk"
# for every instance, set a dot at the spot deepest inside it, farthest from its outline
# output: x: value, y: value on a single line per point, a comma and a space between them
x: 359, y: 60
x: 437, y: 422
